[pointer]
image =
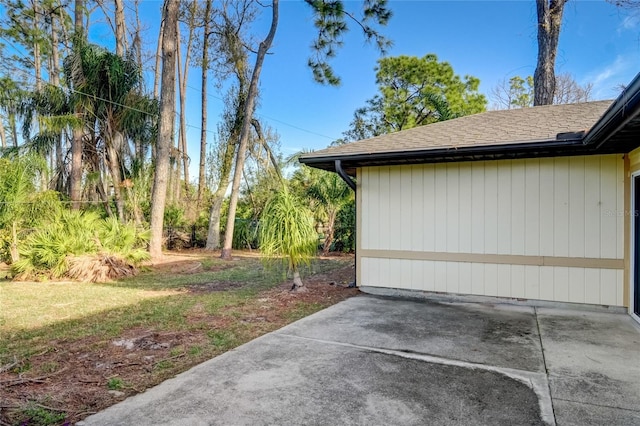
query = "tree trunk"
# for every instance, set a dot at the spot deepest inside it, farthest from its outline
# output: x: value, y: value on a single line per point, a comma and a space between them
x: 55, y: 80
x: 203, y: 124
x: 549, y: 23
x: 75, y: 185
x: 37, y: 57
x: 331, y: 224
x: 14, y: 129
x: 213, y: 234
x: 156, y: 77
x: 246, y: 129
x: 263, y: 141
x: 76, y: 168
x: 120, y: 28
x: 113, y: 152
x: 165, y: 126
x: 3, y: 136
x: 183, y: 102
x: 177, y: 153
x: 13, y: 248
x: 140, y: 146
x: 298, y: 285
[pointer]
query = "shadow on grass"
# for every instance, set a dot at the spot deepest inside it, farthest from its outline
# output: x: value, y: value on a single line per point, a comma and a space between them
x: 246, y: 273
x: 161, y: 313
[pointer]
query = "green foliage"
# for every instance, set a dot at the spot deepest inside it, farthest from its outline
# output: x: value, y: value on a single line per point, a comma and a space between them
x: 327, y: 194
x: 115, y: 383
x: 35, y: 414
x: 345, y: 231
x: 173, y: 216
x: 21, y: 206
x: 415, y: 91
x: 287, y: 231
x: 330, y: 19
x: 45, y: 252
x: 521, y: 91
x: 245, y: 234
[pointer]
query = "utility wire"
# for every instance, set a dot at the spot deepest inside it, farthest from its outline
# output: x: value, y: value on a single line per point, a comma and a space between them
x: 271, y: 118
x: 109, y: 101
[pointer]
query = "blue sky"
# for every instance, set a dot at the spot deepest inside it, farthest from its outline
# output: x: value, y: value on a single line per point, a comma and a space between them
x: 492, y: 40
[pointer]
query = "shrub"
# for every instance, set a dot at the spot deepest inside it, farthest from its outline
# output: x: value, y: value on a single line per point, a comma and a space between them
x: 245, y: 234
x: 81, y: 246
x: 345, y: 228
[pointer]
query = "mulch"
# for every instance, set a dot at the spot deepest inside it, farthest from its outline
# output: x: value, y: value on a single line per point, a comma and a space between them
x: 72, y: 379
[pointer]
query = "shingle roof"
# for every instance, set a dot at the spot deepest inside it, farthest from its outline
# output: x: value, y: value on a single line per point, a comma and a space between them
x: 515, y: 126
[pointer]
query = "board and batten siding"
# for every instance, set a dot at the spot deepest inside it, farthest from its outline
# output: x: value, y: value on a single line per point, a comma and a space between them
x: 547, y: 229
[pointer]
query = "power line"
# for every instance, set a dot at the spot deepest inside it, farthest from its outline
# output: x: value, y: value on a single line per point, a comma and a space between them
x: 128, y: 107
x: 271, y: 118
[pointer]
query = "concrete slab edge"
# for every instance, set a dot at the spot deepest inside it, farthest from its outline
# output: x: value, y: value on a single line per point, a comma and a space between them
x: 468, y: 298
x: 535, y: 381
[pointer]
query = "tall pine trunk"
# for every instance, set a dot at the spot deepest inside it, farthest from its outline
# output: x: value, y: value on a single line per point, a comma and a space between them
x: 165, y: 125
x: 183, y: 74
x: 158, y: 57
x: 120, y: 28
x: 203, y: 123
x: 37, y: 56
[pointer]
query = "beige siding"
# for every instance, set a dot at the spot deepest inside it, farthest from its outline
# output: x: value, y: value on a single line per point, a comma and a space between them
x: 544, y: 214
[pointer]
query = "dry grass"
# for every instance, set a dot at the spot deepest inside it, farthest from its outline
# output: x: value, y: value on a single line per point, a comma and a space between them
x: 99, y: 268
x: 61, y: 344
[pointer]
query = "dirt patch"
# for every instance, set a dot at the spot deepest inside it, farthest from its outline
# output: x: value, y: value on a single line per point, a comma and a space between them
x: 214, y: 286
x: 73, y: 379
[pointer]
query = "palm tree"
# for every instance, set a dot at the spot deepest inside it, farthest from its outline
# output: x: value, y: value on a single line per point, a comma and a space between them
x: 331, y: 194
x: 105, y: 88
x: 17, y: 188
x: 287, y: 233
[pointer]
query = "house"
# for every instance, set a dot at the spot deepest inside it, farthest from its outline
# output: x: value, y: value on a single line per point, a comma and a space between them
x: 537, y: 203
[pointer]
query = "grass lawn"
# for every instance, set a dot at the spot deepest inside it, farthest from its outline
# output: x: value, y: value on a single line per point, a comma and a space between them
x: 70, y: 349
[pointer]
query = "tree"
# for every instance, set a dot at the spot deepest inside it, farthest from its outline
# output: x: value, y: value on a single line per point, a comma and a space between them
x: 105, y: 85
x: 77, y: 136
x: 20, y: 205
x: 226, y: 34
x: 412, y: 92
x: 165, y: 125
x: 568, y: 91
x: 328, y: 193
x: 518, y: 92
x: 203, y: 99
x: 549, y: 22
x: 287, y: 232
x: 249, y: 106
x: 189, y: 13
x: 331, y: 23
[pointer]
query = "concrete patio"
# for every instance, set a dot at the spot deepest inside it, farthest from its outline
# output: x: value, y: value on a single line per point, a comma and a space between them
x: 374, y: 360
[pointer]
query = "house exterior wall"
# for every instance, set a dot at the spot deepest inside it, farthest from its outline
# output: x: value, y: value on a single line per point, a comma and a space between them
x: 548, y: 229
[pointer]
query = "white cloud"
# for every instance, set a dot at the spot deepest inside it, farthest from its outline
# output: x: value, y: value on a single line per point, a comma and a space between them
x: 607, y: 79
x: 629, y: 23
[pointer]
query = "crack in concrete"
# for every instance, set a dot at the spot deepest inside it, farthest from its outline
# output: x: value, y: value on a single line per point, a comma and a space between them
x: 544, y: 362
x: 597, y: 405
x: 538, y: 382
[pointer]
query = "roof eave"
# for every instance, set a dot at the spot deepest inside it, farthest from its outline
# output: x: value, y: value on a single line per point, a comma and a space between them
x: 624, y: 109
x: 544, y: 148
